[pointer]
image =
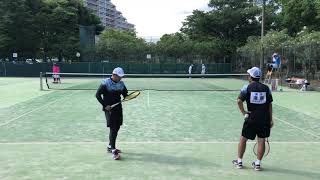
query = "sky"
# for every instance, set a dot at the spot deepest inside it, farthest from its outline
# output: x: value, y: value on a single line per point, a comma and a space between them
x: 158, y: 17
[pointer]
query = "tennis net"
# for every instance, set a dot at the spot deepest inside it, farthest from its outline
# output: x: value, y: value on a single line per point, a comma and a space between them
x: 156, y: 82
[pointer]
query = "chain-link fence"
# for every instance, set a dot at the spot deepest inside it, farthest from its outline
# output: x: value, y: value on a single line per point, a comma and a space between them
x: 301, y: 61
x: 26, y: 70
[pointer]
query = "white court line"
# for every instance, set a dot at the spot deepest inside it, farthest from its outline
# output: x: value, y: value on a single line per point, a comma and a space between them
x: 148, y: 98
x: 150, y: 142
x: 312, y: 134
x: 286, y: 122
x: 36, y: 109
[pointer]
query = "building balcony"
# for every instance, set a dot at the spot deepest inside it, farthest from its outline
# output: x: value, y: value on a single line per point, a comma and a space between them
x: 95, y: 2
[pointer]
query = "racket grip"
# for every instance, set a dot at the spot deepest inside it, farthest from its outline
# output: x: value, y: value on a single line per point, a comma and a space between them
x: 114, y: 105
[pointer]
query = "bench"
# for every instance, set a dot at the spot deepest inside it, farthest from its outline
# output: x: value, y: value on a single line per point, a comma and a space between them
x: 296, y: 82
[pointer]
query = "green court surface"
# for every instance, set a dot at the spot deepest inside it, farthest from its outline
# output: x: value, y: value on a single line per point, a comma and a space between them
x: 61, y: 134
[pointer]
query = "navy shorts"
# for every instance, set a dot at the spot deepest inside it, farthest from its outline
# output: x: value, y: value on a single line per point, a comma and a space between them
x: 114, y: 119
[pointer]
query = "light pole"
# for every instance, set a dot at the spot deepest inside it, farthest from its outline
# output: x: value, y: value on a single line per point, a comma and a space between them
x: 262, y: 34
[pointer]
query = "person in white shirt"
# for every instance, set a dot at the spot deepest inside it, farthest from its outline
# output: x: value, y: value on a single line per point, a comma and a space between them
x: 203, y: 69
x: 305, y: 85
x: 190, y: 70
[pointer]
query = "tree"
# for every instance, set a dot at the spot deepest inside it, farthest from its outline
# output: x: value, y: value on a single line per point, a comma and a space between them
x: 306, y: 46
x: 120, y: 44
x: 230, y: 21
x: 47, y: 28
x: 170, y: 45
x: 61, y: 29
x: 299, y: 13
x: 17, y: 29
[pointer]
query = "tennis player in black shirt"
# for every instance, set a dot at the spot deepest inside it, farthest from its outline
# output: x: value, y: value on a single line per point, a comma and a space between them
x: 258, y: 118
x: 109, y: 93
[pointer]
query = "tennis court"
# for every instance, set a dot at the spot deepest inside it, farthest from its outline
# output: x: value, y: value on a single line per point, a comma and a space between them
x: 171, y: 131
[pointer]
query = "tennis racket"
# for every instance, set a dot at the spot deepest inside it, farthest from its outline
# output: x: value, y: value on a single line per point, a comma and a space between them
x: 127, y: 98
x: 267, y: 148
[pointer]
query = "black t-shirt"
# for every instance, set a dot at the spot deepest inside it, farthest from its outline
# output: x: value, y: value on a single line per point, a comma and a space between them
x: 258, y: 97
x: 111, y: 92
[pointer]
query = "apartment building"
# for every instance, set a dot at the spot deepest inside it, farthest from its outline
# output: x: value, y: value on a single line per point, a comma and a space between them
x: 108, y: 14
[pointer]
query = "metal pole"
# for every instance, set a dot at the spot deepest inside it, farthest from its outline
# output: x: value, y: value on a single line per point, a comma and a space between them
x: 280, y: 68
x: 310, y: 56
x: 294, y: 60
x: 5, y: 69
x: 41, y: 85
x: 262, y: 34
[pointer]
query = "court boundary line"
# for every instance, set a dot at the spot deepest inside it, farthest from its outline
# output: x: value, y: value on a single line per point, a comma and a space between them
x: 286, y: 122
x: 36, y: 109
x: 148, y: 142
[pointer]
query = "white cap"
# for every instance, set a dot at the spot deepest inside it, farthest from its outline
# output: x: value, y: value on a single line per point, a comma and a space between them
x: 118, y: 71
x: 254, y: 72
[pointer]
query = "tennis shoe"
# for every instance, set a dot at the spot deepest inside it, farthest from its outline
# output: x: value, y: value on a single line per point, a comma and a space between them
x: 256, y: 167
x: 115, y: 154
x: 109, y: 149
x: 237, y: 164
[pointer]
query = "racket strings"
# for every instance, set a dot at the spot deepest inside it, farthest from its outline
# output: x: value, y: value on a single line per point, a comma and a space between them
x: 132, y: 95
x: 267, y: 148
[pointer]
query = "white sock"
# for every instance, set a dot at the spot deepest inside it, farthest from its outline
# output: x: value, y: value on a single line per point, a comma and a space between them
x: 257, y: 162
x: 239, y: 160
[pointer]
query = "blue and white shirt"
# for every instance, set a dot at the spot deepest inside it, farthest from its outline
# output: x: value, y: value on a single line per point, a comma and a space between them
x: 111, y: 92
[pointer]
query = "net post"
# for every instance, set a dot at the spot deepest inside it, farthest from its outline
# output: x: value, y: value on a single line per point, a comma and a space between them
x: 41, y: 84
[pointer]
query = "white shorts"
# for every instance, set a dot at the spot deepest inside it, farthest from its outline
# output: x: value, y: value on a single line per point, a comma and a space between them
x: 56, y: 76
x: 275, y: 66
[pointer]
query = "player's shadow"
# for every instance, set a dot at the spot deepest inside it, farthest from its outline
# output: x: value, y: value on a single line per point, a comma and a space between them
x: 303, y: 174
x: 167, y: 159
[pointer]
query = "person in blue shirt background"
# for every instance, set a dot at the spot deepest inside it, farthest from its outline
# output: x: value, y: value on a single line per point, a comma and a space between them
x: 276, y: 62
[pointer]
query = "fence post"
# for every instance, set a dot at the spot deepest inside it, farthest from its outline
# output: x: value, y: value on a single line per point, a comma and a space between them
x: 5, y: 69
x: 41, y: 85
